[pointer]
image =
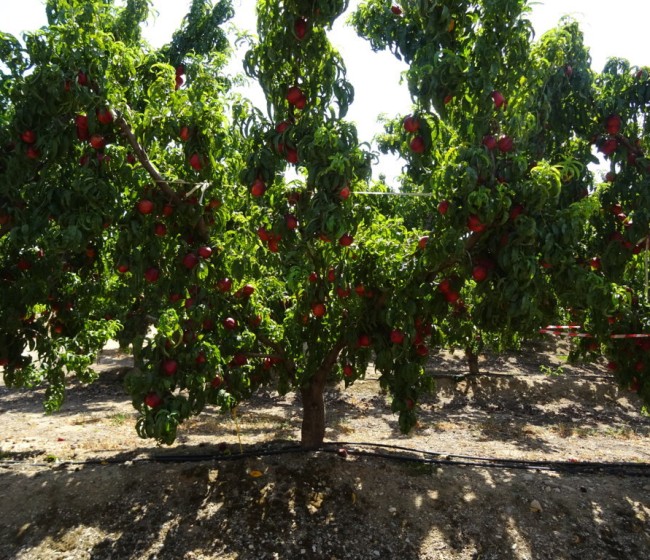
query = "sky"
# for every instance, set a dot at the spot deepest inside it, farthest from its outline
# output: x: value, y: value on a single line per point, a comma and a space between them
x: 611, y: 29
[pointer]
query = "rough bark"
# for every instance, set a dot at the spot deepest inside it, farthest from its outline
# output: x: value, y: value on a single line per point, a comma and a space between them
x: 313, y: 402
x: 313, y: 415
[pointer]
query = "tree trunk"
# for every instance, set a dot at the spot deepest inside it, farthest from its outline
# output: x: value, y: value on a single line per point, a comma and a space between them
x: 313, y: 414
x: 472, y: 362
x: 313, y: 402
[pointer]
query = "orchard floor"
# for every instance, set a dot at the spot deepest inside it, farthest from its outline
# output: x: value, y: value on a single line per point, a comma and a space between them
x: 77, y: 485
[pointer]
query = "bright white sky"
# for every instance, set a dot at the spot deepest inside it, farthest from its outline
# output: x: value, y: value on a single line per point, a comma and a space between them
x: 611, y: 29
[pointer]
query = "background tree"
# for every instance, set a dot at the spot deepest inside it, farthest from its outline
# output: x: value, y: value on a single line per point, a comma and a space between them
x: 232, y: 247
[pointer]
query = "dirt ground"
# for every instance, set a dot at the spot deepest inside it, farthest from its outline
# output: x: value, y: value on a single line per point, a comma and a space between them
x: 81, y: 485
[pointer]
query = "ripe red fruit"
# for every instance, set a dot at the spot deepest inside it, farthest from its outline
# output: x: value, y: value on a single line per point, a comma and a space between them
x: 159, y: 229
x: 294, y: 94
x: 409, y: 403
x: 516, y: 211
x: 411, y: 124
x: 239, y: 359
x: 348, y: 370
x: 130, y: 158
x: 123, y: 268
x: 145, y: 206
x: 97, y: 141
x: 167, y: 210
x: 200, y: 358
x: 448, y: 99
x: 300, y: 28
x: 291, y: 221
x: 105, y: 115
x: 421, y: 350
x: 613, y: 124
x: 396, y: 10
x: 273, y: 245
x: 152, y: 274
x: 313, y: 277
x: 248, y: 290
x: 282, y: 127
x: 505, y: 144
x: 342, y: 292
x: 178, y: 81
x: 81, y: 123
x: 445, y: 286
x: 608, y: 147
x: 169, y: 367
x: 173, y: 298
x: 610, y: 177
x: 82, y: 78
x: 180, y: 70
x: 29, y: 137
x: 195, y: 162
x: 417, y: 145
x: 230, y: 323
x: 258, y: 188
x: 263, y: 234
x: 396, y: 336
x: 443, y: 207
x: 595, y: 263
x: 291, y: 155
x: 422, y: 242
x: 499, y: 99
x: 318, y: 309
x: 216, y: 382
x: 331, y: 275
x: 452, y: 297
x: 474, y: 223
x: 479, y: 273
x: 23, y: 264
x: 152, y: 400
x: 344, y: 193
x: 184, y: 133
x: 346, y: 240
x: 205, y: 252
x: 490, y: 142
x: 33, y: 153
x: 190, y: 261
x: 224, y: 285
x: 364, y: 341
x: 568, y: 71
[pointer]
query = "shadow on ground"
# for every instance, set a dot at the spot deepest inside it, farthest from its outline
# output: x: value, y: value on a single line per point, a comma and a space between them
x: 317, y: 505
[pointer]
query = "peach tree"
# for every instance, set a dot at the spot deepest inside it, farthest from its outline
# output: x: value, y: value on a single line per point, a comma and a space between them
x: 502, y: 135
x: 234, y: 247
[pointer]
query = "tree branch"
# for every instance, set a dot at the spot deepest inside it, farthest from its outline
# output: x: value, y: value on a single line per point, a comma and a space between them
x: 143, y: 158
x: 471, y: 241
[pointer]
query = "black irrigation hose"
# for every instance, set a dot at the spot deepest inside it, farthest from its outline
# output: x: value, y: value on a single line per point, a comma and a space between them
x: 434, y: 458
x: 469, y: 376
x: 641, y: 469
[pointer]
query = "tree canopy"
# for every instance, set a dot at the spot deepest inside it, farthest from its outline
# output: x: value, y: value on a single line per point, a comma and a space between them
x: 234, y: 246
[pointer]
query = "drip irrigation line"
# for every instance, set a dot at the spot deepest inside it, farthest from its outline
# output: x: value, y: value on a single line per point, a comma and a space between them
x: 466, y: 376
x: 391, y: 452
x: 455, y: 459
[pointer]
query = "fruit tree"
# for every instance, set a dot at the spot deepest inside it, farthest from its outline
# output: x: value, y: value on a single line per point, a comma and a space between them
x: 234, y: 246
